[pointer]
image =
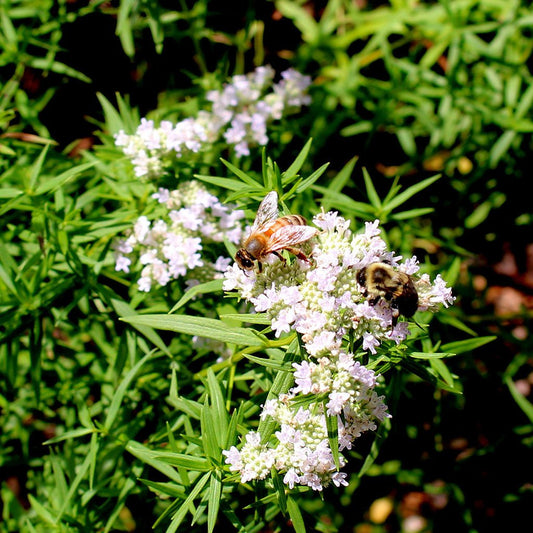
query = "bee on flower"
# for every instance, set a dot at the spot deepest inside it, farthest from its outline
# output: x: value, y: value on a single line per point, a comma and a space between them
x: 353, y: 283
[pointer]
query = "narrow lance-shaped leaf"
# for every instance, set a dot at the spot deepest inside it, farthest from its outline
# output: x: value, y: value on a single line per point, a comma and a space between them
x: 218, y: 406
x: 307, y: 182
x: 297, y: 164
x: 203, y: 288
x: 333, y: 436
x: 245, y: 178
x: 116, y: 401
x: 402, y: 197
x: 213, y: 502
x: 282, y: 383
x: 201, y: 326
x: 296, y: 515
x: 178, y: 517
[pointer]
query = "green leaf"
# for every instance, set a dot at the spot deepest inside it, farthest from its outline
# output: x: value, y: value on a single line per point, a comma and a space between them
x: 402, y: 197
x: 201, y: 326
x: 424, y: 373
x: 53, y: 184
x: 371, y: 191
x: 333, y: 436
x: 407, y: 141
x: 436, y: 355
x: 228, y: 183
x: 301, y: 19
x: 245, y: 178
x: 412, y: 213
x: 297, y: 164
x: 178, y: 517
x: 73, y: 434
x: 203, y: 288
x: 42, y: 512
x: 37, y: 167
x: 167, y: 488
x: 213, y: 501
x: 340, y: 181
x: 112, y: 118
x: 150, y: 457
x: 124, y: 311
x: 81, y: 473
x: 307, y: 182
x: 280, y: 489
x: 121, y: 391
x: 57, y: 67
x: 127, y: 488
x: 379, y: 439
x: 282, y: 383
x: 255, y: 318
x: 124, y: 29
x: 520, y: 399
x: 218, y: 406
x: 8, y: 192
x: 344, y: 203
x: 442, y: 371
x: 190, y: 462
x: 466, y: 345
x: 296, y: 515
x: 269, y: 363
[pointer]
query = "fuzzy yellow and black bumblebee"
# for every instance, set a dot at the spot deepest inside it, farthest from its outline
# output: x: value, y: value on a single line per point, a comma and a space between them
x: 381, y: 281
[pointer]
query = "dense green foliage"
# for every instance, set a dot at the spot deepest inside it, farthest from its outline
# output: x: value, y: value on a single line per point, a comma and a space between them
x: 112, y: 417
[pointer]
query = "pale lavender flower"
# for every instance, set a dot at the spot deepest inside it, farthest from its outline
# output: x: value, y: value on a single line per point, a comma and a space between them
x: 240, y: 115
x: 174, y: 247
x: 122, y: 263
x: 301, y: 449
x: 328, y: 299
x: 323, y: 302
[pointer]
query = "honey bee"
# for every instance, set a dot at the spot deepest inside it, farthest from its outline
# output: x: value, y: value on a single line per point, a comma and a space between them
x: 380, y: 280
x: 270, y: 234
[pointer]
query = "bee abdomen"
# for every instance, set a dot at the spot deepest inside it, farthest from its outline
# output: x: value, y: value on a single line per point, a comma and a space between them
x: 294, y: 220
x: 287, y: 220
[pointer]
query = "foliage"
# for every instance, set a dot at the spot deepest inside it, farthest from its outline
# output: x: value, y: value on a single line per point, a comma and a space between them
x: 118, y: 403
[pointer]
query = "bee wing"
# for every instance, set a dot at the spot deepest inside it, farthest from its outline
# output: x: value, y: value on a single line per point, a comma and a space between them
x: 267, y: 212
x: 290, y: 235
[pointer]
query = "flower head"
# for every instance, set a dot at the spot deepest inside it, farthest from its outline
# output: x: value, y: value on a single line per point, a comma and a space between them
x: 180, y: 244
x: 324, y: 301
x: 301, y: 449
x: 241, y: 113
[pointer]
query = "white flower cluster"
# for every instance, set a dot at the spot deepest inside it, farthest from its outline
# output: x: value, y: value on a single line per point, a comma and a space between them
x: 240, y: 114
x: 301, y: 451
x: 176, y: 245
x: 323, y: 301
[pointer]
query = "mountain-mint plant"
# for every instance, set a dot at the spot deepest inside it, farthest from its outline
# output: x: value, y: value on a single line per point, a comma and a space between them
x: 323, y: 302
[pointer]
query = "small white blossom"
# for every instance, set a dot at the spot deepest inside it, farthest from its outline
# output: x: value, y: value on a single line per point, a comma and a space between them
x: 301, y: 451
x: 324, y: 301
x: 176, y: 246
x: 240, y: 115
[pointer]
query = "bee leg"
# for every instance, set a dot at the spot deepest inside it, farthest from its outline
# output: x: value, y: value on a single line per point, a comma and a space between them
x: 395, y: 314
x: 260, y: 266
x: 298, y: 253
x: 277, y: 254
x: 374, y: 301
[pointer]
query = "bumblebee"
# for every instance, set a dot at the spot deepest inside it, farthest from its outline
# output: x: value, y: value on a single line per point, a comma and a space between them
x: 381, y: 281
